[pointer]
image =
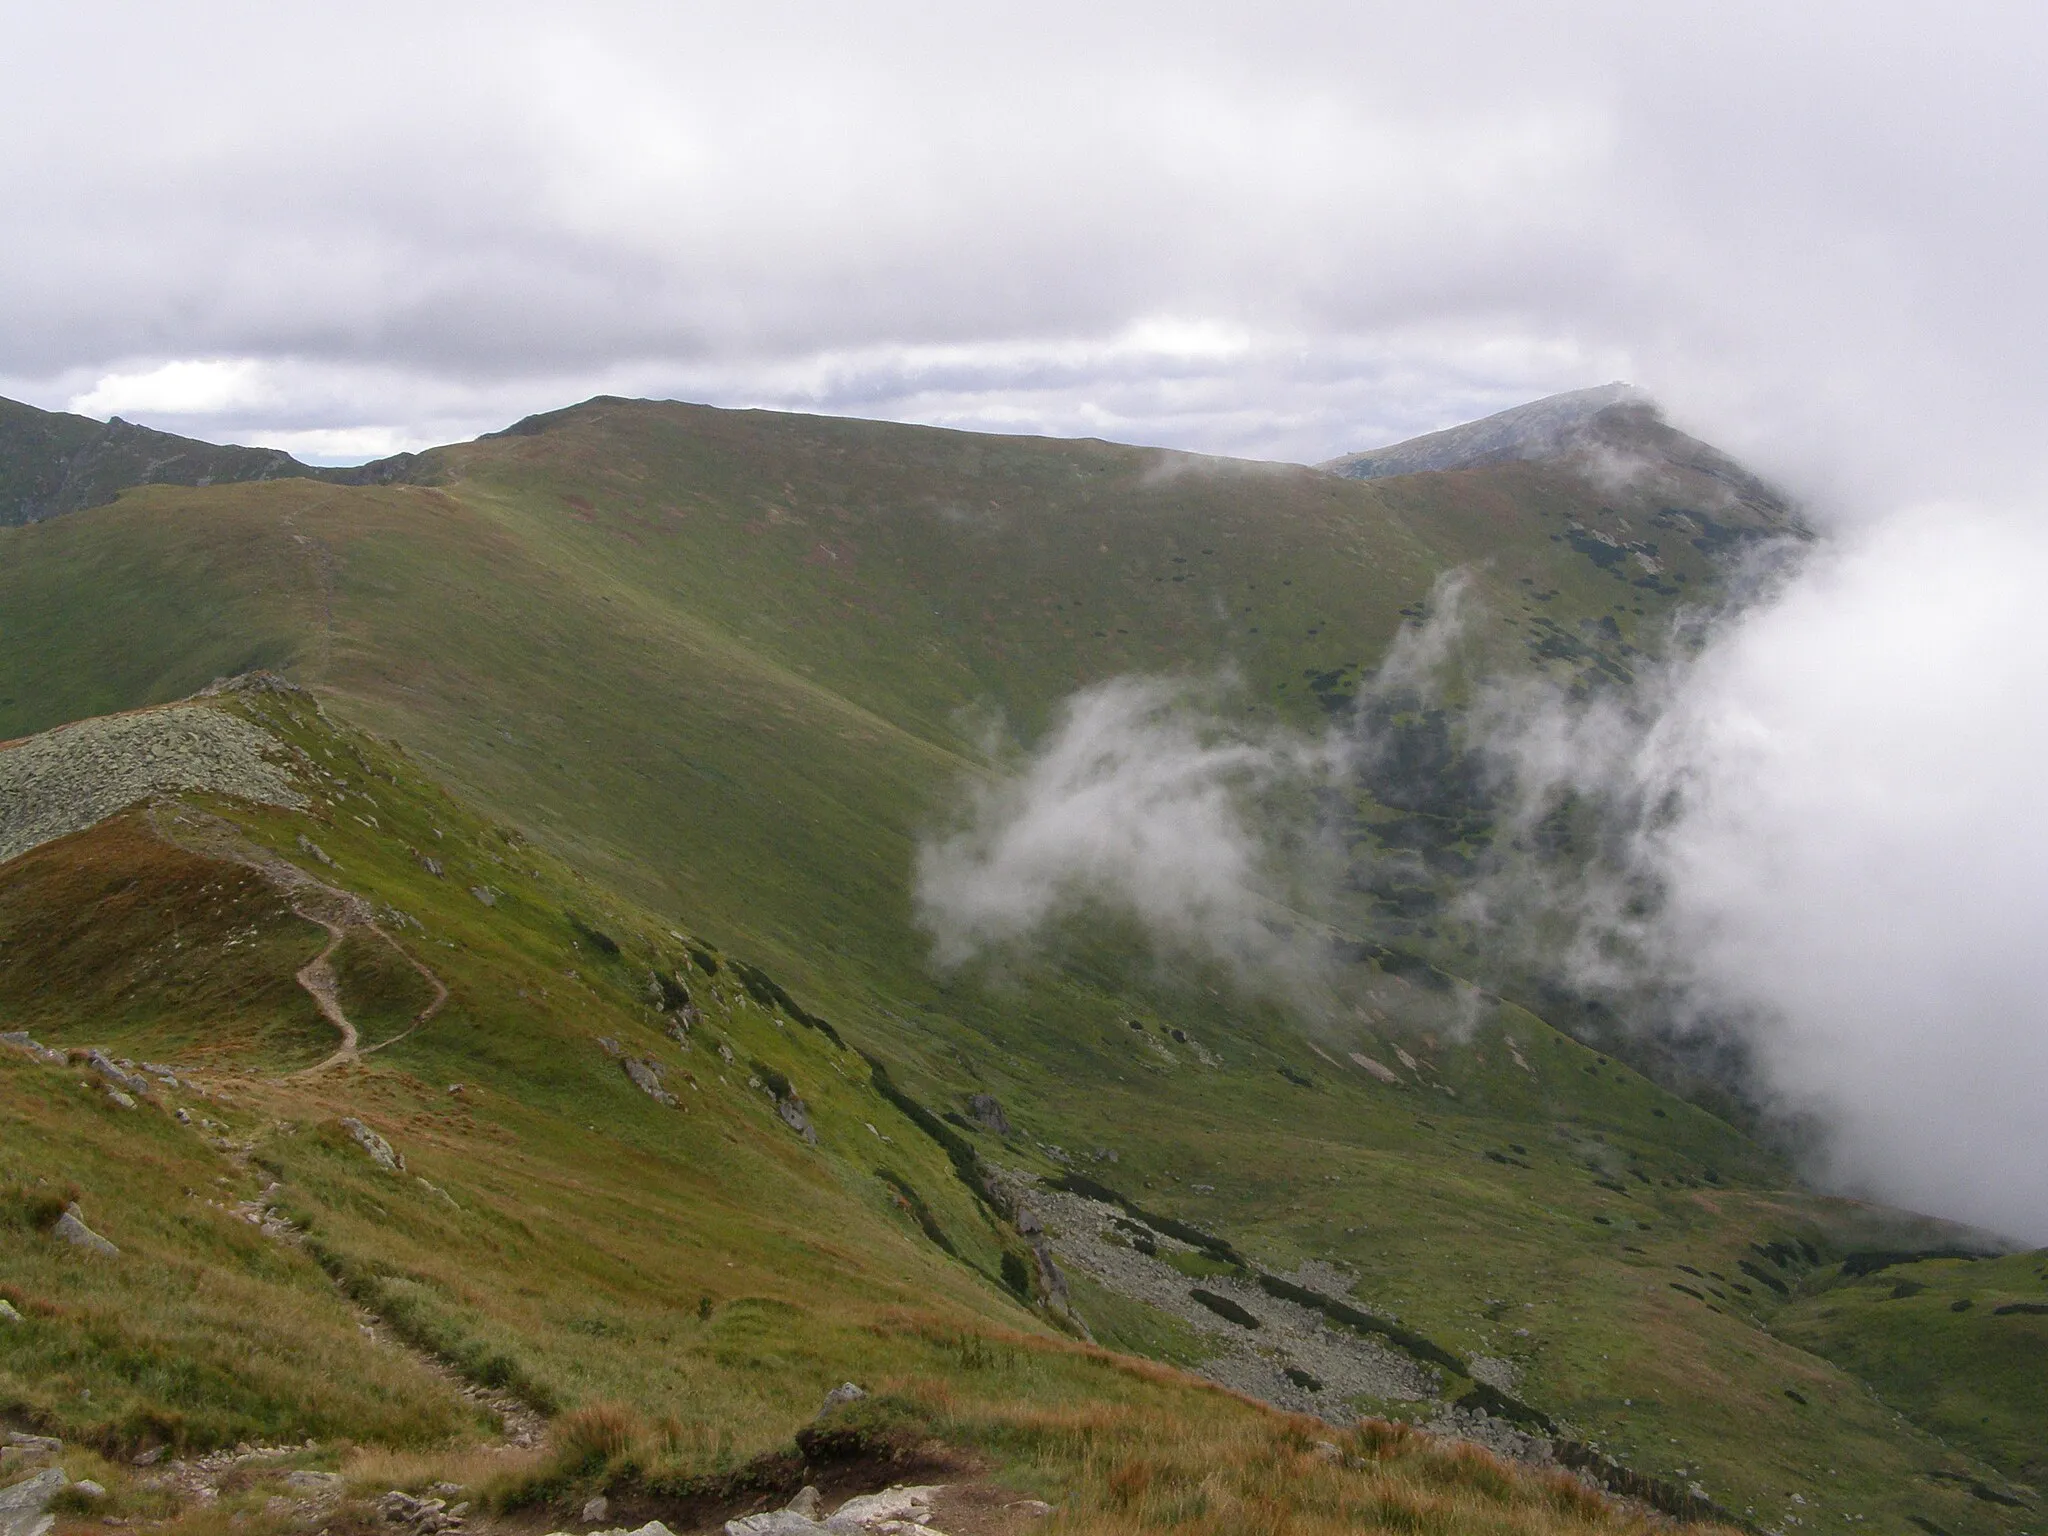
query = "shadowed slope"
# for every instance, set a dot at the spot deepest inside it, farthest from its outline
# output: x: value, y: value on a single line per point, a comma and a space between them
x: 52, y: 462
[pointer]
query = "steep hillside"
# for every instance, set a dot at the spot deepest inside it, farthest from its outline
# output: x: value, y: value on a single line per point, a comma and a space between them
x: 726, y: 667
x: 602, y: 1174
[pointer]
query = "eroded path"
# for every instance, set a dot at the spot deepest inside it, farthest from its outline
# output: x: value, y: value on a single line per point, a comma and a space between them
x: 341, y: 913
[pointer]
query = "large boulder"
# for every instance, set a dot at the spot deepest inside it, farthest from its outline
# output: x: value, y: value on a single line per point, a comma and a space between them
x: 24, y: 1507
x: 72, y: 1229
x: 382, y: 1153
x: 797, y: 1117
x: 986, y: 1111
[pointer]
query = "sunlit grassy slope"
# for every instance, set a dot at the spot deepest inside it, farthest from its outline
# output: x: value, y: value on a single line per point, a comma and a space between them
x: 726, y: 667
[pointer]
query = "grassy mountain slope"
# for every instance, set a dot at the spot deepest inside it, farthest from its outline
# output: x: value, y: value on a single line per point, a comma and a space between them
x: 556, y: 1236
x: 716, y: 664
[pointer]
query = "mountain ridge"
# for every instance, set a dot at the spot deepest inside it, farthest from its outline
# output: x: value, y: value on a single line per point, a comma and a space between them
x: 53, y: 462
x: 660, y: 680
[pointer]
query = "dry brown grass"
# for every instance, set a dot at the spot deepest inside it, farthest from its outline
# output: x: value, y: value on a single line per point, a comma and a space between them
x: 595, y: 1434
x: 1241, y: 1471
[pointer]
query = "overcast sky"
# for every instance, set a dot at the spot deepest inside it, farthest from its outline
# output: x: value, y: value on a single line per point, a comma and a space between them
x: 1814, y: 230
x: 1282, y: 230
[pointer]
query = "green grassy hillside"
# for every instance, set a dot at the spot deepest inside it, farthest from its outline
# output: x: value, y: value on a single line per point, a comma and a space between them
x: 713, y: 673
x: 675, y: 1282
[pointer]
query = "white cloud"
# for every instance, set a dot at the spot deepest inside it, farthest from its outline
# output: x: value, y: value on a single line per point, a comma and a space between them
x: 1142, y: 802
x: 201, y: 387
x: 1863, y: 863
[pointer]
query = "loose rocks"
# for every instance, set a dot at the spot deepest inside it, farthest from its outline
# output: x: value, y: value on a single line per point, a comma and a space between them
x: 420, y: 1517
x: 21, y: 1041
x: 66, y: 780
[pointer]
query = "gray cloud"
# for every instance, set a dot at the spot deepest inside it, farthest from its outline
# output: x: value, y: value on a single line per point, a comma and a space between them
x: 1814, y: 232
x: 1148, y: 799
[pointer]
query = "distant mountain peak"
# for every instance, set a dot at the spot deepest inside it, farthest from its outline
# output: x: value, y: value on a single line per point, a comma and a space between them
x: 52, y: 462
x: 1541, y: 429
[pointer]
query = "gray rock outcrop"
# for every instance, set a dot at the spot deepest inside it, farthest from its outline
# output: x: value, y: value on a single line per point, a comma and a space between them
x: 986, y: 1111
x: 71, y: 1228
x: 24, y: 1507
x: 114, y: 1073
x: 66, y: 780
x: 382, y: 1153
x: 646, y: 1076
x: 797, y: 1118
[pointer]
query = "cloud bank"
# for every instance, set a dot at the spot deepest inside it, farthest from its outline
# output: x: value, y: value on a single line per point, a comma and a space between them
x: 1835, y: 806
x: 1842, y: 800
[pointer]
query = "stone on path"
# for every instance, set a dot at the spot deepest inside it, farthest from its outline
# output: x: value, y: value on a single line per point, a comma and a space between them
x: 906, y: 1504
x: 775, y: 1522
x: 805, y: 1503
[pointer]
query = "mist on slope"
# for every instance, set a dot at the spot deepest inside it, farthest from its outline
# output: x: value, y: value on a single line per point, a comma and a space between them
x: 1148, y: 799
x: 1820, y: 827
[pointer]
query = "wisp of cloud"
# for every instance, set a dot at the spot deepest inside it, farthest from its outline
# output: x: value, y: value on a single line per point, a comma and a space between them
x: 1142, y: 800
